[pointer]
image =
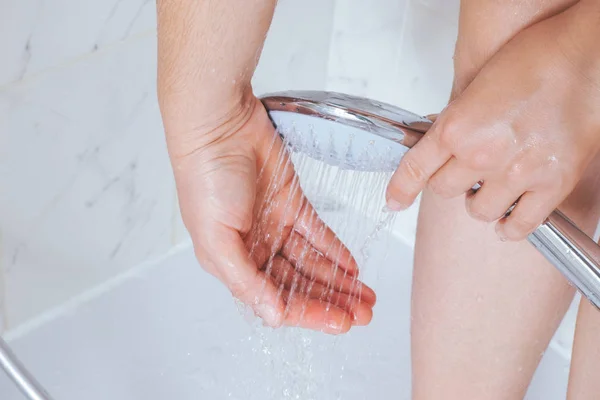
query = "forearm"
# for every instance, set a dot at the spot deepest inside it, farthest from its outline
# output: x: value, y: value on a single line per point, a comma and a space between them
x: 207, y: 53
x: 487, y: 25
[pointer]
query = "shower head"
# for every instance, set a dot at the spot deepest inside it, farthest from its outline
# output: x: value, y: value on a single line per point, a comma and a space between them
x: 337, y: 128
x: 374, y: 137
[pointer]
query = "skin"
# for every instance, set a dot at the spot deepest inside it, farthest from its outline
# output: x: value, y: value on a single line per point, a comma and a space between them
x: 225, y: 154
x: 516, y: 138
x: 497, y: 303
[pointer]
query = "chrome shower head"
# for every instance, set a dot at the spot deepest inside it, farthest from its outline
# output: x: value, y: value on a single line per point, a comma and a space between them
x: 375, y: 135
x: 307, y: 119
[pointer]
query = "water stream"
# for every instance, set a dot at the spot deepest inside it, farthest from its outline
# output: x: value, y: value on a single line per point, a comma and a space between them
x: 298, y: 364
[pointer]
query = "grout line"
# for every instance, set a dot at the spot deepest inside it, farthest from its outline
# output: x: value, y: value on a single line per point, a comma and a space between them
x: 76, y: 59
x: 76, y: 301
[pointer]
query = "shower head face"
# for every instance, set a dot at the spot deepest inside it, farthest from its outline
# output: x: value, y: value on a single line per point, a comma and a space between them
x: 347, y: 131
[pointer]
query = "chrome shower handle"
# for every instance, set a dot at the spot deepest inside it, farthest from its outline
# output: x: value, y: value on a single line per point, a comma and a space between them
x: 572, y: 252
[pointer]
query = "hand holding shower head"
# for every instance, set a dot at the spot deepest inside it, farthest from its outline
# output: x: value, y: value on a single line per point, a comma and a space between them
x: 360, y: 122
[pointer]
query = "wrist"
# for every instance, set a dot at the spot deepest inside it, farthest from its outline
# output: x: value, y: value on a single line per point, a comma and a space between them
x: 188, y: 128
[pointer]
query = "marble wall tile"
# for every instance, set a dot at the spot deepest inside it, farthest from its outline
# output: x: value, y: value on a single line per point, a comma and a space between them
x: 296, y: 51
x: 90, y: 191
x: 365, y: 47
x: 424, y: 71
x: 38, y: 34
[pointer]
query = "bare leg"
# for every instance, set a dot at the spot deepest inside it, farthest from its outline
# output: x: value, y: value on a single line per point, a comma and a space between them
x: 584, y: 380
x: 483, y: 310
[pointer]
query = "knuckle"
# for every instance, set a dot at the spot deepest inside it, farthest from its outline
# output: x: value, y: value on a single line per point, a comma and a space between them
x: 481, y: 159
x: 515, y: 174
x: 450, y: 131
x: 488, y: 154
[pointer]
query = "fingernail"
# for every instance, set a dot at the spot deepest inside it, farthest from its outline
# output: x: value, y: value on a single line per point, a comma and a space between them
x: 268, y: 313
x: 393, y: 205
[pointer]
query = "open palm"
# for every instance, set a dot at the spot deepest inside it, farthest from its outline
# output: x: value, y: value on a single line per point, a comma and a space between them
x: 254, y: 230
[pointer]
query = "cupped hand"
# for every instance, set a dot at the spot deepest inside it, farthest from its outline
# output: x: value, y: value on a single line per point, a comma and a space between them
x: 526, y: 127
x: 253, y: 229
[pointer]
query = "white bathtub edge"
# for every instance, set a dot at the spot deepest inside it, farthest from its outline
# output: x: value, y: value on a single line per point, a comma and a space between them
x: 70, y: 305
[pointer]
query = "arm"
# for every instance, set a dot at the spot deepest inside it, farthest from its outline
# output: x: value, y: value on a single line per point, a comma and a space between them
x: 485, y: 26
x: 207, y: 53
x: 219, y: 136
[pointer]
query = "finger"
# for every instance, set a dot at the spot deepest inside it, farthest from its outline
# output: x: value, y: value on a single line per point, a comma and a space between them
x: 529, y: 213
x: 316, y: 267
x: 316, y: 314
x: 453, y: 179
x: 415, y: 169
x: 301, y: 288
x: 323, y: 239
x: 290, y: 207
x: 225, y: 250
x: 361, y: 312
x: 432, y: 117
x: 491, y: 202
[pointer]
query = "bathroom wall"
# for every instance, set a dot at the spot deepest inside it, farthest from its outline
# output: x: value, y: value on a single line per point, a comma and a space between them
x: 382, y: 49
x: 87, y: 187
x: 87, y: 190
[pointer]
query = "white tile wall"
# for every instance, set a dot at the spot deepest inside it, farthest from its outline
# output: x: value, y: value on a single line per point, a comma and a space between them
x: 90, y: 188
x: 365, y: 47
x: 296, y: 51
x: 36, y: 34
x: 90, y: 191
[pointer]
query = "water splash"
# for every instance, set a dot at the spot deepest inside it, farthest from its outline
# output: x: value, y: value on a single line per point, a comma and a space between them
x: 347, y: 191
